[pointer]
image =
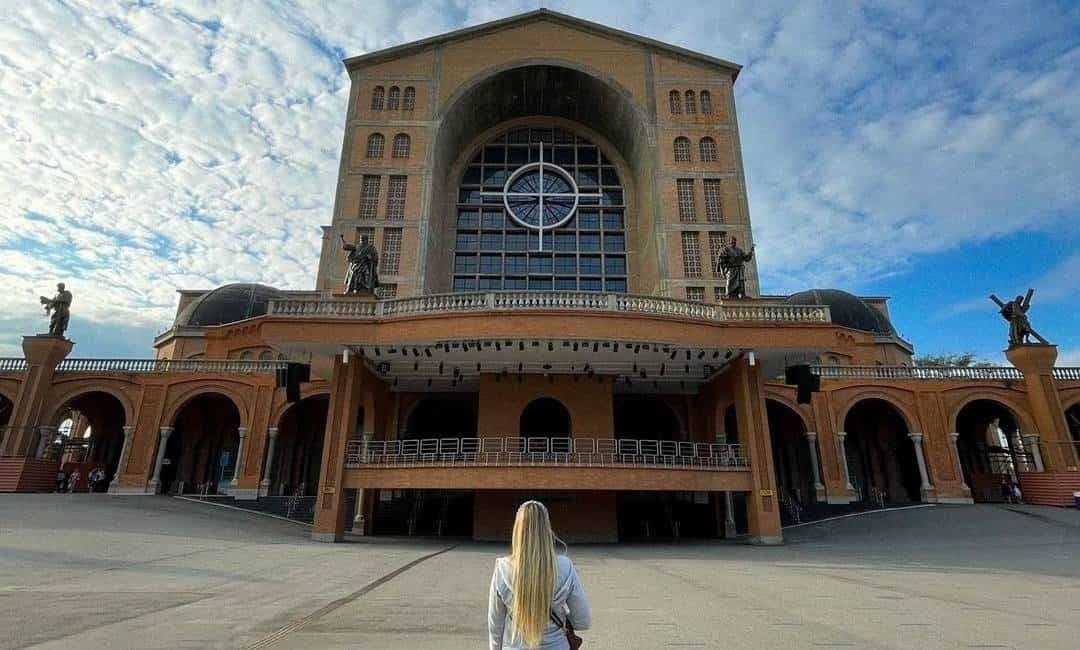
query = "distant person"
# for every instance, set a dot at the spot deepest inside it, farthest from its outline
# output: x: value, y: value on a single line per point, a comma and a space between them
x: 61, y: 481
x: 536, y: 600
x: 96, y: 476
x: 73, y: 479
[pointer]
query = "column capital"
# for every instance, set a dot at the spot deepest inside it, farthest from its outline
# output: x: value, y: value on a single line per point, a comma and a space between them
x: 1030, y: 436
x: 915, y: 437
x: 272, y: 432
x: 165, y: 432
x: 810, y: 435
x: 128, y: 429
x: 954, y: 436
x: 841, y: 434
x: 46, y: 427
x: 241, y: 431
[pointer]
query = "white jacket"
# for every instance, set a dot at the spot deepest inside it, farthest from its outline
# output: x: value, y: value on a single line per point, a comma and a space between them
x: 569, y: 600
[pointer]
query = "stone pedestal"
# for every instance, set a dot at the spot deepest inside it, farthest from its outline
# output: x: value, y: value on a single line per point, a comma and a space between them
x: 1037, y: 364
x: 42, y: 353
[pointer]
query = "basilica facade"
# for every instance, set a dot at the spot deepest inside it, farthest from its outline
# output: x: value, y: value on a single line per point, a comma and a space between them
x: 566, y: 306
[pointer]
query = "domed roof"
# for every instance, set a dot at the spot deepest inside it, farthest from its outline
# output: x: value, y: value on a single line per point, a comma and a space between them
x: 228, y: 304
x: 846, y: 310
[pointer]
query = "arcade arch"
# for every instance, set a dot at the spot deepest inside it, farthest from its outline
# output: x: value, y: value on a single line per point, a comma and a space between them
x: 991, y: 447
x: 881, y: 461
x: 94, y: 423
x: 297, y: 454
x: 200, y: 453
x: 544, y: 416
x: 795, y: 478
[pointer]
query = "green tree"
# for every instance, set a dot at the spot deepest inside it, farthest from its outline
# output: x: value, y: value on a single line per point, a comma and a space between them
x: 960, y: 360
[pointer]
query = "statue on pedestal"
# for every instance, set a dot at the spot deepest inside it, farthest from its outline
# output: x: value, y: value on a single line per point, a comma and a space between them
x: 731, y: 264
x: 59, y: 306
x: 362, y: 276
x: 1015, y: 312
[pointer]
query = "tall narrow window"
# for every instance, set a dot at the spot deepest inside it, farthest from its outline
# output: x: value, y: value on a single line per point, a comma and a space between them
x: 675, y: 102
x: 714, y: 207
x: 369, y: 197
x: 395, y: 197
x: 691, y: 103
x: 691, y: 255
x: 375, y: 145
x: 717, y: 238
x: 706, y: 102
x: 377, y: 98
x: 708, y: 149
x: 409, y: 101
x: 685, y: 190
x: 682, y: 149
x: 401, y: 146
x: 695, y: 294
x: 391, y: 251
x: 393, y: 98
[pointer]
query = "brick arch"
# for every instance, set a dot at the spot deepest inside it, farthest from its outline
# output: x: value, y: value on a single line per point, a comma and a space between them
x: 1070, y: 398
x: 177, y: 402
x: 546, y: 396
x: 9, y: 388
x: 279, y: 411
x: 1023, y: 418
x: 890, y: 397
x: 799, y: 409
x: 67, y: 392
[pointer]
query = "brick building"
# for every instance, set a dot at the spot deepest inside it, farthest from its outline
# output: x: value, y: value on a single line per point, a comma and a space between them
x: 550, y: 323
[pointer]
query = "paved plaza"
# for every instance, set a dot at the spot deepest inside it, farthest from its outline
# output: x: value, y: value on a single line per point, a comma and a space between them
x: 97, y: 571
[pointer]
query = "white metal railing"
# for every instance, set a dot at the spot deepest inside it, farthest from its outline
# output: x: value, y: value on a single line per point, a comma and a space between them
x: 748, y: 311
x: 157, y: 366
x: 1067, y: 374
x: 918, y: 372
x: 516, y: 451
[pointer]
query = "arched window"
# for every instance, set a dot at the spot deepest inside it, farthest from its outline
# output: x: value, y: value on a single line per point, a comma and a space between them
x: 553, y: 246
x: 682, y: 149
x: 706, y: 102
x: 245, y: 355
x: 377, y: 98
x: 691, y: 103
x: 409, y: 102
x: 393, y: 99
x: 675, y: 102
x: 375, y: 145
x: 401, y: 146
x: 544, y: 417
x: 708, y: 149
x: 266, y: 355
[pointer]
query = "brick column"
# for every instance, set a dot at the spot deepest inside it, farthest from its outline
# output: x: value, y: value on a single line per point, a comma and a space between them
x: 346, y: 397
x: 762, y: 506
x: 42, y: 353
x: 1037, y: 364
x: 163, y: 440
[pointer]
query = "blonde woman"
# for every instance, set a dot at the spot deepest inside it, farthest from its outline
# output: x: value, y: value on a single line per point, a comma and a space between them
x: 535, y: 594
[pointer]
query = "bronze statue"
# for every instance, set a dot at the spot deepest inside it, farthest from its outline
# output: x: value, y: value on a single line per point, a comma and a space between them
x: 59, y: 305
x: 1015, y: 312
x: 362, y: 275
x: 731, y: 264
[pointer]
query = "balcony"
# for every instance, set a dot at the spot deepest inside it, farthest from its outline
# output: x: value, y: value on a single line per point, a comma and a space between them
x: 933, y: 373
x: 152, y: 366
x: 456, y: 303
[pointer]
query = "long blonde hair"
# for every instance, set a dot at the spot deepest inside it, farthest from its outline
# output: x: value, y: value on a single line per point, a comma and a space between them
x: 533, y: 557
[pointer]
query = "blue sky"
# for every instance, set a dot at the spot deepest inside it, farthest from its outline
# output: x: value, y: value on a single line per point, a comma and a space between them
x: 925, y: 151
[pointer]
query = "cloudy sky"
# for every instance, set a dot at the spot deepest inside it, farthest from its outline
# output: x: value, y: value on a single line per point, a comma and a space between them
x: 926, y: 151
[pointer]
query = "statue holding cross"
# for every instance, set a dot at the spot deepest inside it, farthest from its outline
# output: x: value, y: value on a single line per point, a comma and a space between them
x: 1015, y: 312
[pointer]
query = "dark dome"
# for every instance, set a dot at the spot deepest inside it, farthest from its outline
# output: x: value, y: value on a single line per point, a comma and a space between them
x: 846, y: 310
x: 228, y: 304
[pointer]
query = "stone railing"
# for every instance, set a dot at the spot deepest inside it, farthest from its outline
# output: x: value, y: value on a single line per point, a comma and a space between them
x: 1067, y: 374
x: 12, y: 365
x: 449, y: 303
x: 158, y: 366
x: 919, y: 372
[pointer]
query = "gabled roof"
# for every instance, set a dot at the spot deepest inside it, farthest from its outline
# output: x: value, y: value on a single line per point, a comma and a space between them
x: 533, y: 16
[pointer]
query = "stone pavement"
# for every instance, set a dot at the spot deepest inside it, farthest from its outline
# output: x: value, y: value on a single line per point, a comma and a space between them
x: 96, y: 571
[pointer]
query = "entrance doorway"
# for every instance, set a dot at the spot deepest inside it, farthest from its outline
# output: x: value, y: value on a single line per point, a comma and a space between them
x: 791, y: 456
x: 200, y: 455
x: 991, y: 448
x: 880, y: 456
x: 297, y: 460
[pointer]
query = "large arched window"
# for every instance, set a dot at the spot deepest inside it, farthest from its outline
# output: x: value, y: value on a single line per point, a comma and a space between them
x: 408, y: 103
x: 675, y: 102
x: 393, y: 98
x: 377, y: 98
x: 375, y: 144
x: 401, y: 146
x: 682, y: 149
x: 541, y: 209
x: 708, y: 149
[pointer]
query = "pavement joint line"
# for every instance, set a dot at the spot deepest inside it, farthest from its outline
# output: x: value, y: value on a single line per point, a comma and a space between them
x: 285, y: 630
x: 239, y: 509
x: 859, y: 514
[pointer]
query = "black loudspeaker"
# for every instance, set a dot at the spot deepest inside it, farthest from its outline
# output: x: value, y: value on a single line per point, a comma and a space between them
x: 290, y: 377
x: 805, y: 380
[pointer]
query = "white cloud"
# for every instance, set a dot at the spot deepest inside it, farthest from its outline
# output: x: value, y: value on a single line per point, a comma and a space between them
x: 180, y: 144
